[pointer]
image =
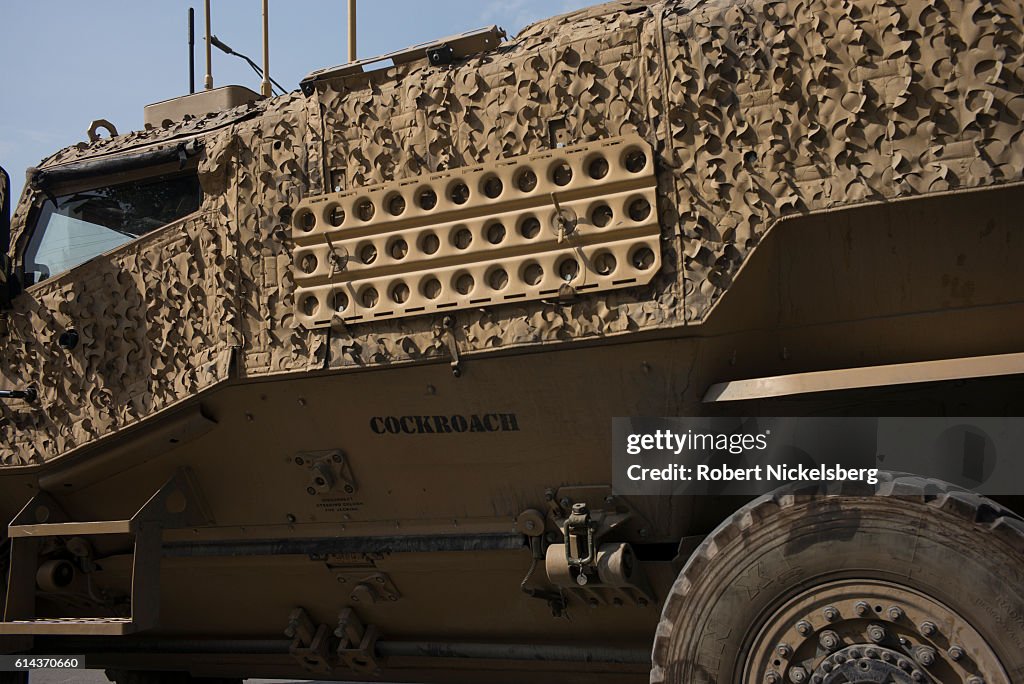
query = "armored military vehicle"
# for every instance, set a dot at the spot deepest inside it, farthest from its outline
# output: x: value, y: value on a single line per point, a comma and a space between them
x: 321, y: 385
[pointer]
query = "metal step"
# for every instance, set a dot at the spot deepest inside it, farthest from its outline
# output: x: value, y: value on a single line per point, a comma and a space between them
x: 176, y: 504
x: 106, y: 626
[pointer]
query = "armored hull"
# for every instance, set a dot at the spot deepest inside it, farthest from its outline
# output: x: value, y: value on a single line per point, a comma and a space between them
x: 324, y: 423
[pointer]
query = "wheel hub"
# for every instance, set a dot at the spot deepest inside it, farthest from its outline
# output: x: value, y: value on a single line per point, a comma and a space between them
x: 867, y: 665
x: 869, y: 632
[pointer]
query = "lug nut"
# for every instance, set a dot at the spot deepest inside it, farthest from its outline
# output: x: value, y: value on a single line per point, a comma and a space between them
x: 798, y: 675
x: 830, y: 613
x: 975, y: 680
x: 784, y: 650
x: 862, y: 608
x: 925, y: 655
x: 804, y: 628
x: 895, y: 613
x: 917, y: 676
x: 829, y: 640
x: 772, y: 677
x: 876, y: 633
x: 904, y: 665
x: 955, y: 652
x: 928, y: 628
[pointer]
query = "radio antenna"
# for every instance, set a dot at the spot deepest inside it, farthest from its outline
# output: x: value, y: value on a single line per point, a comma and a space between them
x: 351, y: 30
x: 208, y: 83
x: 191, y: 50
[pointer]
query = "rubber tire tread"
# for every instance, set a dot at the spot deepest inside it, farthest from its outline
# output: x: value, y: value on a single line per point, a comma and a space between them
x: 1001, y: 529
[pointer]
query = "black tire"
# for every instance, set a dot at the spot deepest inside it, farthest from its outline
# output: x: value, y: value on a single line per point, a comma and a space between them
x: 966, y: 552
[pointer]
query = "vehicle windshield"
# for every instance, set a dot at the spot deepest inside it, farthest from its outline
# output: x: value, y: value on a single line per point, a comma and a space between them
x: 82, y: 225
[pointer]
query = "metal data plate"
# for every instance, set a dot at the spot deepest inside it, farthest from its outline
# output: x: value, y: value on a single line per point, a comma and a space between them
x: 480, y: 236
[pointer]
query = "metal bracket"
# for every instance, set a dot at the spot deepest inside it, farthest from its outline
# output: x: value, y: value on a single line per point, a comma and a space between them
x: 357, y: 644
x: 367, y: 586
x: 310, y: 643
x: 598, y: 573
x: 328, y: 470
x: 457, y: 47
x: 439, y: 55
x: 445, y: 333
x: 578, y: 532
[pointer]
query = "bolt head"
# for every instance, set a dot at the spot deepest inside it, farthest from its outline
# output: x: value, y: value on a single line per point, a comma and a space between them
x: 925, y: 655
x: 565, y: 503
x: 784, y: 650
x: 772, y: 677
x: 804, y: 628
x: 917, y: 676
x: 798, y: 675
x: 975, y: 680
x: 579, y: 508
x: 895, y: 613
x: 928, y: 628
x: 831, y: 613
x: 955, y: 652
x: 829, y: 640
x: 876, y: 633
x: 862, y: 608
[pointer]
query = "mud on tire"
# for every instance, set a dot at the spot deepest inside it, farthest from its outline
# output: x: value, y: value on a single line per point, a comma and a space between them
x: 935, y: 543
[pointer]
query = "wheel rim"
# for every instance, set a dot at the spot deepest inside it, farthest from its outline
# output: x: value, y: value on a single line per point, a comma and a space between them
x: 869, y: 632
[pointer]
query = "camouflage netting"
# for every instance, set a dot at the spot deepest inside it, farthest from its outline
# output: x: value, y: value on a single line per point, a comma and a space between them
x: 758, y: 110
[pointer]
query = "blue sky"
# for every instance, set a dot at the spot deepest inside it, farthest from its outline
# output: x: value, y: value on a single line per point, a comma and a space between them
x: 65, y: 63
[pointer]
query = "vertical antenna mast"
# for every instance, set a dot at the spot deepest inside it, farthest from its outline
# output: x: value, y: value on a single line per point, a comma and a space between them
x: 208, y: 84
x: 351, y: 30
x: 191, y: 50
x: 265, y: 88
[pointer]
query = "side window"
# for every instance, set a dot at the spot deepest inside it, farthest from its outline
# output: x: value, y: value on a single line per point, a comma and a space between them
x: 71, y: 229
